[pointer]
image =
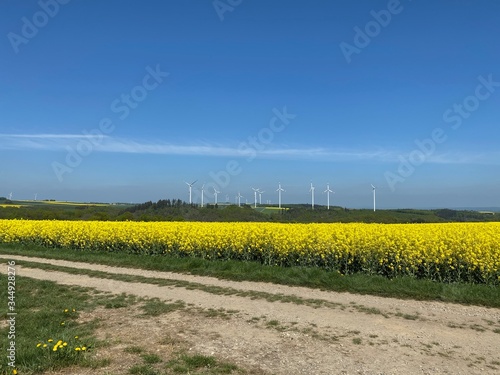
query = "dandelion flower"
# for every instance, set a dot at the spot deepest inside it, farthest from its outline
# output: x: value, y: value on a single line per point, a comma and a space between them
x: 66, y: 310
x: 62, y: 323
x: 65, y: 343
x: 77, y: 349
x: 84, y: 348
x: 14, y: 371
x: 39, y: 344
x: 76, y: 337
x: 50, y: 340
x: 44, y: 345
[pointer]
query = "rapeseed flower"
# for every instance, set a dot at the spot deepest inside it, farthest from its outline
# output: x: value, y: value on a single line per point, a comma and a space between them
x: 442, y: 251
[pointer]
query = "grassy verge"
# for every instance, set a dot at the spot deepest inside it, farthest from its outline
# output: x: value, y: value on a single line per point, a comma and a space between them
x: 406, y: 288
x: 46, y: 335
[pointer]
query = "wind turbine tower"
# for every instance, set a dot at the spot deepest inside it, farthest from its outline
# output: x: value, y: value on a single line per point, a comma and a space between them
x: 328, y: 191
x: 215, y: 194
x: 190, y: 190
x: 279, y: 190
x: 260, y: 196
x: 255, y: 191
x: 239, y: 196
x: 36, y: 195
x: 202, y: 191
x: 312, y: 195
x: 10, y: 196
x: 373, y: 187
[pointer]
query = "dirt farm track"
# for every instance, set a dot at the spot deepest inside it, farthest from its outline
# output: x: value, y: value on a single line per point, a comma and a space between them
x: 302, y: 331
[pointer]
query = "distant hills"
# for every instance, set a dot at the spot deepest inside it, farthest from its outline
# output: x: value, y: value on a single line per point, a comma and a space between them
x: 178, y: 210
x: 480, y: 209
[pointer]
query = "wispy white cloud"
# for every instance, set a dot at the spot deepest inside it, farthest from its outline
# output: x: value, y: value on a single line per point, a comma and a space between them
x: 275, y: 152
x: 103, y: 143
x: 42, y: 142
x: 48, y: 136
x: 463, y: 158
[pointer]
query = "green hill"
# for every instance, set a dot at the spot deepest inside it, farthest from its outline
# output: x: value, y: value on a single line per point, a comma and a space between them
x: 178, y: 210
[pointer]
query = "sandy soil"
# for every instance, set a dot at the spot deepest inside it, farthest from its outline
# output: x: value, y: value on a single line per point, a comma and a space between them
x: 347, y: 334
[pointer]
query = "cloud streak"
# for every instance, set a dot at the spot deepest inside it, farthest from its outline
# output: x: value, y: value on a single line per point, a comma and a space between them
x: 102, y: 143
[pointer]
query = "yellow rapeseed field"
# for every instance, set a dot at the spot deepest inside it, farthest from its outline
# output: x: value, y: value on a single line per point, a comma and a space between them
x: 446, y: 252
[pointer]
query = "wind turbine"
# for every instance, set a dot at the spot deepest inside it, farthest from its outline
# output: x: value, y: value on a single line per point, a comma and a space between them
x: 36, y: 195
x: 239, y: 196
x: 260, y: 196
x: 190, y: 189
x: 279, y: 190
x: 312, y: 195
x: 255, y: 191
x: 328, y: 191
x: 373, y: 187
x: 215, y: 194
x: 202, y: 187
x: 10, y: 196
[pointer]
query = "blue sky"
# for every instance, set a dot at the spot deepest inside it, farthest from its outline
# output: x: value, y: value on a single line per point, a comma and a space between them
x: 126, y: 100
